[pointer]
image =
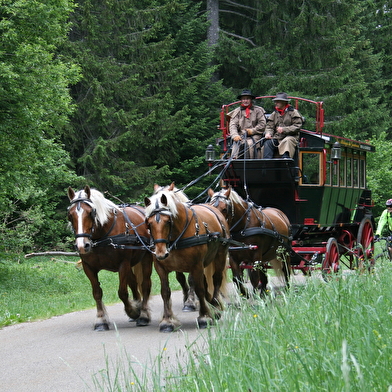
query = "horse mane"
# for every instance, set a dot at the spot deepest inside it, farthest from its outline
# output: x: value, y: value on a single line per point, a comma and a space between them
x: 178, y: 193
x: 155, y: 200
x: 103, y: 207
x: 235, y: 197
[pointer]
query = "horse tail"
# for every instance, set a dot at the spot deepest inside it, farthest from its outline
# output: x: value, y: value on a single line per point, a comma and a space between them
x: 138, y: 272
x: 208, y: 273
x: 223, y: 288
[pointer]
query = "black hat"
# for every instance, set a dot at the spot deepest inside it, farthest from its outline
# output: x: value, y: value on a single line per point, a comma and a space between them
x: 281, y: 97
x: 246, y: 92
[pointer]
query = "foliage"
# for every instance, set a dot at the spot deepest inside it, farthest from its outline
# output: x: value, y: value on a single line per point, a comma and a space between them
x: 141, y: 103
x: 34, y: 109
x: 120, y: 94
x: 316, y: 49
x: 380, y: 172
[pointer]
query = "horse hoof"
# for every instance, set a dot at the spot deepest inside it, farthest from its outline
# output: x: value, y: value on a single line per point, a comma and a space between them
x: 189, y: 308
x: 101, y: 327
x: 204, y: 323
x: 166, y: 328
x: 142, y: 322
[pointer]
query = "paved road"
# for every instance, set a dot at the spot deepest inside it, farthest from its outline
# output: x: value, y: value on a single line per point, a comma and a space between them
x: 63, y: 353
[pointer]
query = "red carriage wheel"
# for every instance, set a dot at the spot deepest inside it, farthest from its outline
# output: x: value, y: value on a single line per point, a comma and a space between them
x: 365, y: 244
x: 331, y: 260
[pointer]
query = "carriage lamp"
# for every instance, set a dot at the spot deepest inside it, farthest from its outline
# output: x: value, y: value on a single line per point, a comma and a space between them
x: 210, y: 155
x: 336, y: 152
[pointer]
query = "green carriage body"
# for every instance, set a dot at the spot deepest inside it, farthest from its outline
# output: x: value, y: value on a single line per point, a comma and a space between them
x: 322, y: 191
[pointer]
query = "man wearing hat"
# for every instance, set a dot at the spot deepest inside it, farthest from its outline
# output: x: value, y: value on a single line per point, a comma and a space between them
x: 247, y: 124
x: 282, y: 129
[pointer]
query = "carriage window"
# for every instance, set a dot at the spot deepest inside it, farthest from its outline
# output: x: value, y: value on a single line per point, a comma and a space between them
x: 355, y: 172
x: 328, y: 169
x: 335, y: 173
x: 362, y: 173
x: 349, y: 180
x: 310, y: 166
x: 342, y: 171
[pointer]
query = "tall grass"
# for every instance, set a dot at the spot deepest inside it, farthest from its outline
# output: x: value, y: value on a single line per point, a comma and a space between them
x: 334, y: 336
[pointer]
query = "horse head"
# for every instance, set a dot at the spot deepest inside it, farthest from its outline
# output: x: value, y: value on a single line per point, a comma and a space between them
x: 82, y: 218
x: 160, y: 211
x: 222, y: 201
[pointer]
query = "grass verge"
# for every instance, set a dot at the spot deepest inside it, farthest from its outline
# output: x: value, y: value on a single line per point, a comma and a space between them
x: 334, y: 336
x: 43, y: 287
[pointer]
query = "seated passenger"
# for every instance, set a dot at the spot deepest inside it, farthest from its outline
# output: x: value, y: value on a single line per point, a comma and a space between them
x: 247, y: 124
x: 282, y: 130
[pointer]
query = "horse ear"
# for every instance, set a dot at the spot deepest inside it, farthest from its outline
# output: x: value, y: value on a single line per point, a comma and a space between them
x: 210, y: 192
x: 171, y: 187
x: 71, y: 193
x: 88, y: 191
x: 147, y: 201
x: 156, y: 187
x: 227, y: 193
x: 164, y: 200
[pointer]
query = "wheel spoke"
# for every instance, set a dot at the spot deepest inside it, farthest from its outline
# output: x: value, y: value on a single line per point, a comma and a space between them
x: 331, y: 259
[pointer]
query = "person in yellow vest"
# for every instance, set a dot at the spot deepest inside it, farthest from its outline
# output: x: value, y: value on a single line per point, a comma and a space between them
x: 385, y: 221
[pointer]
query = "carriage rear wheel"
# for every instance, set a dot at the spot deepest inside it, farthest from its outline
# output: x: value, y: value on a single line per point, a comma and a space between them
x: 331, y: 260
x: 365, y: 245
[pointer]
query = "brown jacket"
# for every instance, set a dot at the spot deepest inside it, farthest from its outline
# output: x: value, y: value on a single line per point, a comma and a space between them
x: 291, y: 121
x: 256, y: 122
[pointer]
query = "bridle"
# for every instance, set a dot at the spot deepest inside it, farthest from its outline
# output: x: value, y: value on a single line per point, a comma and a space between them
x: 93, y: 214
x: 217, y: 197
x: 230, y: 209
x: 157, y: 212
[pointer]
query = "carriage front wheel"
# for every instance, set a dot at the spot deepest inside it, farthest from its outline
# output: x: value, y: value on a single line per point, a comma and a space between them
x: 331, y: 259
x: 365, y: 245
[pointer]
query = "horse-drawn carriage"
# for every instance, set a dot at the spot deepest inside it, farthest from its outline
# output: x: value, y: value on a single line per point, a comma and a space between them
x: 322, y: 191
x: 310, y: 212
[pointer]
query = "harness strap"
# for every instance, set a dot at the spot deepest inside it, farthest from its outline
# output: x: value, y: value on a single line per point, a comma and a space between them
x: 198, y: 240
x: 123, y: 241
x: 251, y: 231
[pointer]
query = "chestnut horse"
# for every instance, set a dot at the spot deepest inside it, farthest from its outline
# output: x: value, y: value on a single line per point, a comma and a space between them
x: 113, y: 238
x: 188, y: 239
x: 267, y: 228
x: 189, y: 296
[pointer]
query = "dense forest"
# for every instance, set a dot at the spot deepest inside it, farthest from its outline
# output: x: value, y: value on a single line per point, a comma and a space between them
x: 122, y: 94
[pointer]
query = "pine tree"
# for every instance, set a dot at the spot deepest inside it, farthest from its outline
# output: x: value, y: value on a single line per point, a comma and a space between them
x: 141, y: 104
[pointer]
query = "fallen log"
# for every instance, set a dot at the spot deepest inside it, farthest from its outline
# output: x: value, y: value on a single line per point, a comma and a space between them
x: 52, y: 254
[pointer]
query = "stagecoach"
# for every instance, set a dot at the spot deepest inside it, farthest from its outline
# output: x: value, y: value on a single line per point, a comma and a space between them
x: 322, y: 191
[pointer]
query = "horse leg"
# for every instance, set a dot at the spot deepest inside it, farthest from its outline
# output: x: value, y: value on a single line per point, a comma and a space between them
x: 238, y: 277
x: 187, y: 291
x: 219, y: 281
x: 102, y: 323
x: 205, y: 317
x: 168, y: 323
x: 144, y: 269
x: 127, y: 278
x: 258, y: 279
